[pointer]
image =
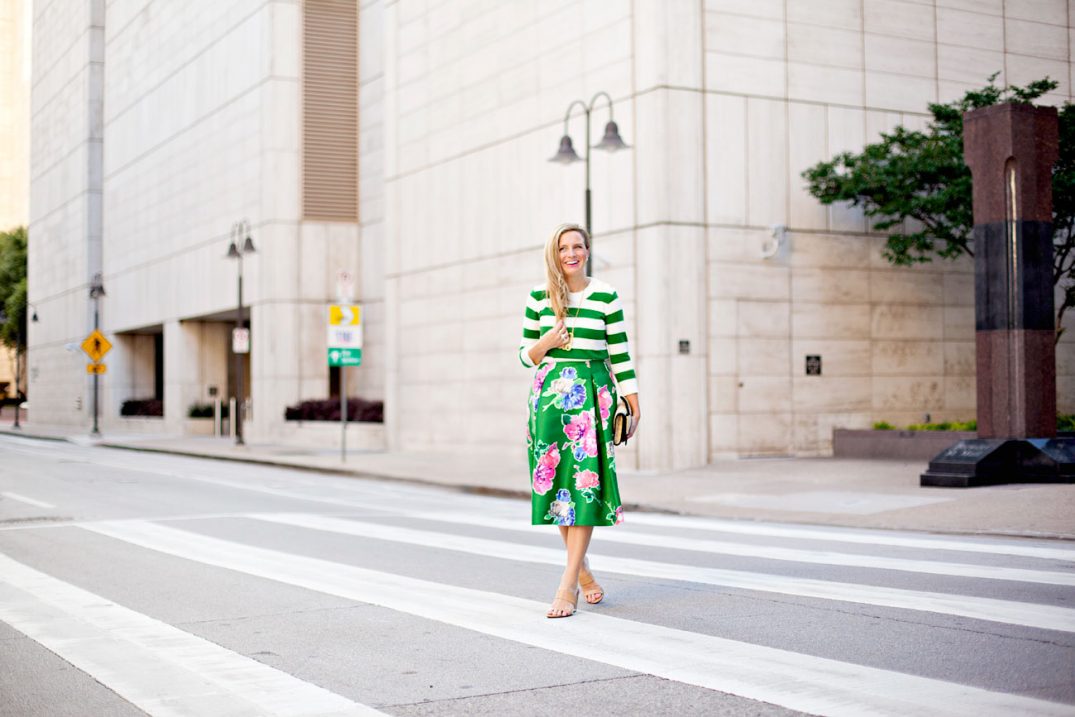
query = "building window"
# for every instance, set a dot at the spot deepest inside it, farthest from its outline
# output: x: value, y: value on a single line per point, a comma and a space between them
x: 330, y: 110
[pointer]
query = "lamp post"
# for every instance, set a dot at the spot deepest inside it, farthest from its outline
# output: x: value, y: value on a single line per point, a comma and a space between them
x: 97, y: 290
x: 566, y: 154
x: 241, y: 244
x: 18, y: 344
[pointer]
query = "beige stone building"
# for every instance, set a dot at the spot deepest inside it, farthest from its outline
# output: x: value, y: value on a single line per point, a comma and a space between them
x: 14, y: 136
x: 406, y: 142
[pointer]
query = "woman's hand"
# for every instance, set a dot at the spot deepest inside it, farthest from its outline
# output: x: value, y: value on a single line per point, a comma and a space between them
x: 552, y: 339
x: 632, y: 400
x: 555, y: 338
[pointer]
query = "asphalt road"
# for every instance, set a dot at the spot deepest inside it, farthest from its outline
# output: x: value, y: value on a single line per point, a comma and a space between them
x: 138, y: 583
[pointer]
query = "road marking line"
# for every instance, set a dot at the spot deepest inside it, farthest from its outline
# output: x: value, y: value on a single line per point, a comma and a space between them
x: 797, y: 555
x: 878, y: 538
x: 809, y: 684
x: 1045, y: 617
x: 155, y: 666
x: 24, y: 499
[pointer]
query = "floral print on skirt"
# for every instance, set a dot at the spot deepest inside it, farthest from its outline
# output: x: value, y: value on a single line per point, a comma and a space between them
x: 569, y: 437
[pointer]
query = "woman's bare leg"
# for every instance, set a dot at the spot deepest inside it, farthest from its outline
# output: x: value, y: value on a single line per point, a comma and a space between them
x: 577, y: 540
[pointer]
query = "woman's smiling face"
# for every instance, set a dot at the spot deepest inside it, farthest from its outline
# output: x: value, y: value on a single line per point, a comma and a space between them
x: 573, y: 254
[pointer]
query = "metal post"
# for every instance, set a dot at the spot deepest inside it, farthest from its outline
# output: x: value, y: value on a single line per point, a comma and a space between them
x: 589, y: 220
x: 218, y: 421
x: 343, y: 414
x: 231, y: 416
x: 238, y: 419
x: 96, y: 377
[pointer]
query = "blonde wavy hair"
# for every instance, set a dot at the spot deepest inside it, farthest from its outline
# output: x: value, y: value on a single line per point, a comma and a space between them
x: 556, y: 284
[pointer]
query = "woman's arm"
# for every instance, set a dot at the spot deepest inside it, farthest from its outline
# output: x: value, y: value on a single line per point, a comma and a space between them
x: 552, y: 338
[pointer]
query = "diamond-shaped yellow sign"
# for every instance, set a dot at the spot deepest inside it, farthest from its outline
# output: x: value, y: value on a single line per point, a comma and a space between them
x: 96, y: 345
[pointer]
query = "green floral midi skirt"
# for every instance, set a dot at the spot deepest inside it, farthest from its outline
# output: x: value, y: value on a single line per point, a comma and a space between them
x: 569, y: 437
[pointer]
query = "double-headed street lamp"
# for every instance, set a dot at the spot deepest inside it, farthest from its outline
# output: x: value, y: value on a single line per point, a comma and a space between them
x: 611, y: 142
x: 18, y: 344
x: 241, y: 244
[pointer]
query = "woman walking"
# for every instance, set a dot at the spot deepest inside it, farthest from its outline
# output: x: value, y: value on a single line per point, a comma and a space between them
x: 575, y: 335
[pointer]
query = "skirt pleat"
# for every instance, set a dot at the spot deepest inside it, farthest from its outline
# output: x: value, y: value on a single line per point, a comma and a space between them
x: 569, y: 440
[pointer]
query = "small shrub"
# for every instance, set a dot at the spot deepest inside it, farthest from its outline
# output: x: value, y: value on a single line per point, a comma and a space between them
x: 1065, y: 421
x: 358, y: 409
x: 142, y: 407
x: 205, y: 410
x: 971, y: 425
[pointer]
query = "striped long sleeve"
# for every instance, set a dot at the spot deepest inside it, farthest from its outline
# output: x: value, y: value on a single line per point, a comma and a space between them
x: 596, y: 321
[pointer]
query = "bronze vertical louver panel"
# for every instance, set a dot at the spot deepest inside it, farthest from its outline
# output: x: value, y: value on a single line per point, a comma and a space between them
x: 330, y: 110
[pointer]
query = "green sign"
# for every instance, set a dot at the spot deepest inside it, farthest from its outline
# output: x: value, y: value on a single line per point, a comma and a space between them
x: 344, y: 357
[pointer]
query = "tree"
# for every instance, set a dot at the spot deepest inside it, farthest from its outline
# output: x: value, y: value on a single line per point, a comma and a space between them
x: 13, y: 286
x: 921, y: 176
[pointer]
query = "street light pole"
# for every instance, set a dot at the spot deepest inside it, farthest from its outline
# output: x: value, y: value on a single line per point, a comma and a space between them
x: 566, y: 154
x: 236, y: 250
x: 97, y: 290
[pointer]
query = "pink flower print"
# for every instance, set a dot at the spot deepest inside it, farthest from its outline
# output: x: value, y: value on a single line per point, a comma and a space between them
x: 579, y: 426
x: 604, y: 401
x: 539, y: 378
x: 589, y: 442
x: 546, y: 470
x: 619, y: 515
x: 586, y: 479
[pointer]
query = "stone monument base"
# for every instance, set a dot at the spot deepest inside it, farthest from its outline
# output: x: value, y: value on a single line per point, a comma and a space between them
x: 993, y: 461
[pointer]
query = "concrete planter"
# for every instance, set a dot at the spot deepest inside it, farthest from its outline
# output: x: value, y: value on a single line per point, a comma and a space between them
x: 905, y: 445
x: 200, y: 426
x: 137, y: 424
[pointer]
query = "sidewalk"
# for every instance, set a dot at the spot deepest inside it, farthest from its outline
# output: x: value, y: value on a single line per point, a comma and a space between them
x: 825, y: 491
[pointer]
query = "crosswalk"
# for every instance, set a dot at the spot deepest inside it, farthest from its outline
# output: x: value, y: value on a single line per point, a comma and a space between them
x: 986, y: 592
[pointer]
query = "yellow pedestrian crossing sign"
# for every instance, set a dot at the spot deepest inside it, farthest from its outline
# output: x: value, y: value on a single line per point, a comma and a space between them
x: 96, y: 346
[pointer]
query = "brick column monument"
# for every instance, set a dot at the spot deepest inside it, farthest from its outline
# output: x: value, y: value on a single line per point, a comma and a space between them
x: 1010, y: 150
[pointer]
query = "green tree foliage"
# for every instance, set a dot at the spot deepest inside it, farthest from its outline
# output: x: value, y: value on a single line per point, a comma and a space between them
x: 13, y: 286
x: 921, y: 176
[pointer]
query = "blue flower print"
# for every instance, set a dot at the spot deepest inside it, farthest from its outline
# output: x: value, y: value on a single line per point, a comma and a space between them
x: 576, y: 397
x: 568, y: 519
x: 580, y: 453
x: 569, y: 373
x: 563, y: 494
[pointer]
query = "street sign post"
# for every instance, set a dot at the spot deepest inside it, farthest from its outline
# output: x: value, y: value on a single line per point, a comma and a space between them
x: 344, y: 349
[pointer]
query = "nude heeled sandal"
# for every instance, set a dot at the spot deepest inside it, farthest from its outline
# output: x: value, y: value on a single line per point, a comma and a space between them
x: 566, y: 597
x: 590, y: 587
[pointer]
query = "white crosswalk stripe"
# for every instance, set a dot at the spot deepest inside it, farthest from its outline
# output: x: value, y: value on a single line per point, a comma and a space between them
x: 1015, y: 613
x: 798, y: 555
x: 780, y: 677
x: 155, y: 666
x: 872, y: 538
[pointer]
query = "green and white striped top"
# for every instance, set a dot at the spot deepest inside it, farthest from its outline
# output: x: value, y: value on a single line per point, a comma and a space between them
x: 596, y: 315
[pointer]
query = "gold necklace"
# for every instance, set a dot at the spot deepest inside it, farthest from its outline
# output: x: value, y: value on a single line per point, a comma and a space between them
x: 571, y: 336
